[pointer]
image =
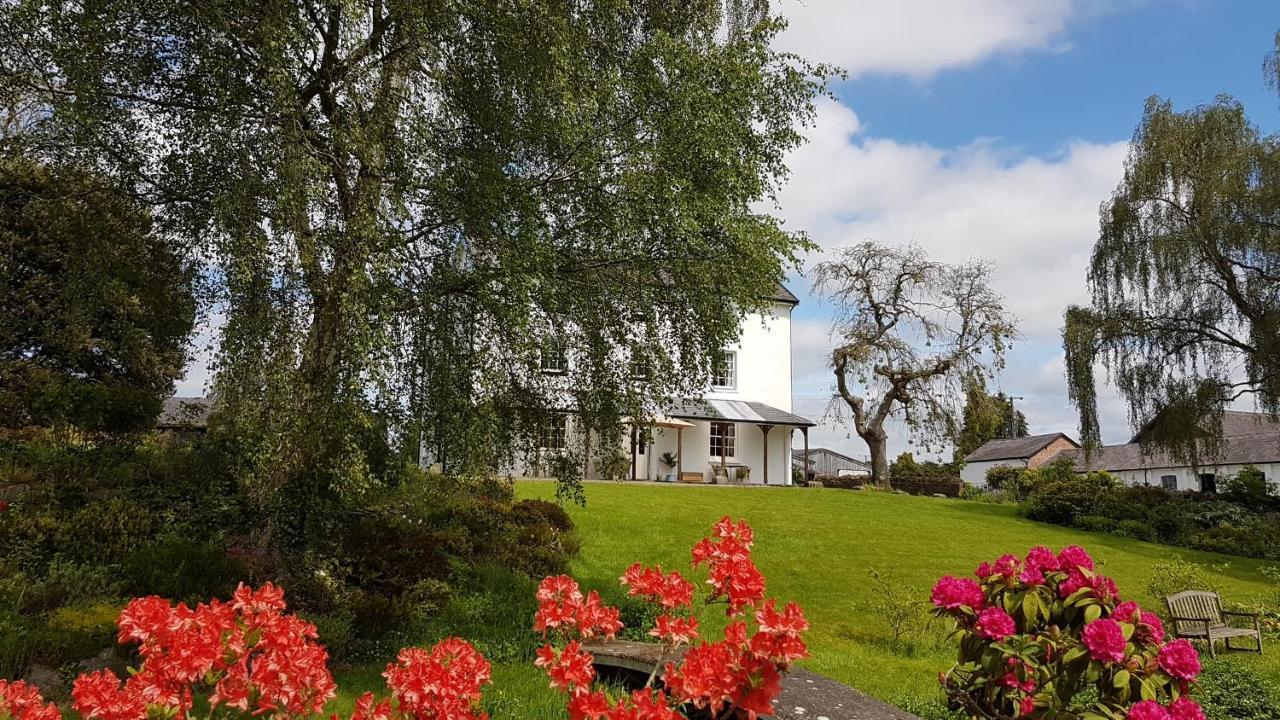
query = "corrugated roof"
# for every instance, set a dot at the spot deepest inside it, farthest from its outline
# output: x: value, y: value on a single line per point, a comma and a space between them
x: 1254, y: 449
x: 842, y: 456
x: 1015, y: 448
x: 185, y: 412
x: 736, y: 411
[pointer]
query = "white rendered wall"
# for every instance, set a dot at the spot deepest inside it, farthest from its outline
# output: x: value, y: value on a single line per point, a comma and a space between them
x: 764, y: 361
x: 975, y: 473
x: 1189, y: 478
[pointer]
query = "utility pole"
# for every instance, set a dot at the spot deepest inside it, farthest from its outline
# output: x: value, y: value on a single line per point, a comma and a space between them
x: 1013, y: 415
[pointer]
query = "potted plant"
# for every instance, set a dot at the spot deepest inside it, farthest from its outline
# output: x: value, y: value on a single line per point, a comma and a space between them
x: 741, y: 474
x: 670, y: 460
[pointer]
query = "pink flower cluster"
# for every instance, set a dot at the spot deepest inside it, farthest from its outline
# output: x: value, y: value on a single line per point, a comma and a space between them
x: 1053, y: 615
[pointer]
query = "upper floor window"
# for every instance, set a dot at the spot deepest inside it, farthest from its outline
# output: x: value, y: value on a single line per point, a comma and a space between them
x: 724, y: 375
x: 1169, y: 482
x: 553, y: 435
x: 639, y: 369
x: 553, y: 359
x: 723, y: 436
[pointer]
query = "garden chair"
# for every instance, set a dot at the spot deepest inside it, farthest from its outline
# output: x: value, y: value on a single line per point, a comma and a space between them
x: 1198, y: 615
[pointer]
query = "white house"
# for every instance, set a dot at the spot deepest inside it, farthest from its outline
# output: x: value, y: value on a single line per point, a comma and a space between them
x: 741, y: 430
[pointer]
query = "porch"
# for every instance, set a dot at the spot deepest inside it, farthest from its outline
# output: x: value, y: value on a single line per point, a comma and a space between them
x: 716, y: 442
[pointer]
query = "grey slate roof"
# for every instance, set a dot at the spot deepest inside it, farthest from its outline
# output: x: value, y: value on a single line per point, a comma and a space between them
x: 1015, y: 448
x: 1254, y: 449
x: 799, y: 454
x: 783, y: 295
x: 185, y: 412
x: 1235, y: 423
x: 736, y: 411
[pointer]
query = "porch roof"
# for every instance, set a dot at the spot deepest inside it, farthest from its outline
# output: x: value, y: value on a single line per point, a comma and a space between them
x: 737, y: 411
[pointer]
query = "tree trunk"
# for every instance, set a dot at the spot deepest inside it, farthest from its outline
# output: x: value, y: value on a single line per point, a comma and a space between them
x: 878, y: 444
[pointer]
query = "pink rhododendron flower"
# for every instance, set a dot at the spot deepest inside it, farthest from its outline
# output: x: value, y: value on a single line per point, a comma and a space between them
x: 984, y: 571
x: 1180, y: 660
x: 995, y: 624
x: 1073, y: 557
x: 951, y: 593
x: 1043, y: 558
x: 1105, y: 640
x: 1184, y: 708
x: 1008, y: 565
x: 1126, y: 612
x: 1148, y: 710
x: 1150, y: 629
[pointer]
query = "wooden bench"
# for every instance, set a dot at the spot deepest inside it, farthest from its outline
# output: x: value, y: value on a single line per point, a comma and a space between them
x: 694, y: 478
x: 1198, y: 615
x: 805, y: 695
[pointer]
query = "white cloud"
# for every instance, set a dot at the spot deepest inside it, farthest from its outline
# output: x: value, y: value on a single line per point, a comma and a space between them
x: 920, y: 37
x: 1035, y: 218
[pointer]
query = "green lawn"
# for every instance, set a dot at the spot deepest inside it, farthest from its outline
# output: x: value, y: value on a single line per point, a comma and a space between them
x: 815, y: 546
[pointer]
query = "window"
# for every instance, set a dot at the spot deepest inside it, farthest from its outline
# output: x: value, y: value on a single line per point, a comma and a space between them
x: 553, y: 434
x: 1169, y: 482
x: 722, y: 437
x: 1209, y: 483
x: 553, y: 360
x: 724, y: 376
x: 639, y: 367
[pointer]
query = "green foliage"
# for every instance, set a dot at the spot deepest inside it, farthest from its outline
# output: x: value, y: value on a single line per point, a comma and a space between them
x: 906, y: 467
x: 986, y: 417
x: 1232, y: 691
x: 1184, y: 314
x: 1173, y: 576
x: 1061, y: 497
x: 181, y: 569
x: 403, y: 207
x: 95, y: 306
x: 897, y: 604
x: 1000, y: 475
x: 1248, y: 487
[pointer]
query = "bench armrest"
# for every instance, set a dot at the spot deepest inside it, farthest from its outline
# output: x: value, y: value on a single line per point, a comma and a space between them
x: 1234, y: 613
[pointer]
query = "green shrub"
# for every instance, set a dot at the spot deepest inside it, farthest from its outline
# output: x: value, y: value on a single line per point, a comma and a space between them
x: 76, y: 632
x: 19, y: 641
x: 898, y: 605
x: 1000, y: 474
x: 1136, y: 529
x: 1231, y: 691
x: 1248, y: 487
x: 1175, y: 575
x: 1095, y: 523
x: 181, y: 569
x: 104, y: 531
x: 1060, y: 500
x: 1172, y: 522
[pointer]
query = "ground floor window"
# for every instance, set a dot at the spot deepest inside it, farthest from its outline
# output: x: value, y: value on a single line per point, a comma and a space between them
x: 1169, y: 482
x: 723, y: 435
x: 1209, y: 483
x: 553, y: 433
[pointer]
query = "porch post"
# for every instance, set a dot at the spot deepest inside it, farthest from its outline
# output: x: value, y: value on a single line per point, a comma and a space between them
x: 679, y: 452
x: 633, y: 450
x: 765, y: 430
x: 805, y: 431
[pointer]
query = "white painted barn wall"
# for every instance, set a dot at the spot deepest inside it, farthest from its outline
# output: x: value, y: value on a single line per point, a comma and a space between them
x: 975, y: 473
x: 1188, y: 478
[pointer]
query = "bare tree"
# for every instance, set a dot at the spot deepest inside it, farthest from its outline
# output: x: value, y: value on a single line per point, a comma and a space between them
x: 909, y: 331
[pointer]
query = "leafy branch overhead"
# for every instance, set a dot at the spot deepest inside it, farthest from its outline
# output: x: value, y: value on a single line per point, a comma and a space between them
x: 908, y: 332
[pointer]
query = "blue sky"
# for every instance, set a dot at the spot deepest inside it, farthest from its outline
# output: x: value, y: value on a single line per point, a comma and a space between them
x: 993, y: 129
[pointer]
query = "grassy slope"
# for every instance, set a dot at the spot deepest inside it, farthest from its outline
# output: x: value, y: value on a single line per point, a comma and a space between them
x: 815, y: 546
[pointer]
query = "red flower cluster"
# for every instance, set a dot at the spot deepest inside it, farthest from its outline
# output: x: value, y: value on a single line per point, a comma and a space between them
x: 442, y: 683
x: 733, y: 576
x: 743, y: 671
x: 20, y: 701
x: 253, y: 655
x: 562, y: 607
x: 1183, y: 708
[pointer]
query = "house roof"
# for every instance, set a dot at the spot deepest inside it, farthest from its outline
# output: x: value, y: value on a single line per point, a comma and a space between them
x: 1015, y: 448
x: 783, y: 295
x: 1234, y: 423
x: 1254, y: 449
x: 799, y: 454
x: 736, y: 411
x: 185, y: 412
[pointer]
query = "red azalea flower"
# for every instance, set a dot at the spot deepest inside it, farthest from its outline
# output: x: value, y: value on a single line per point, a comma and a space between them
x: 675, y: 630
x: 671, y: 590
x: 571, y: 670
x: 22, y: 701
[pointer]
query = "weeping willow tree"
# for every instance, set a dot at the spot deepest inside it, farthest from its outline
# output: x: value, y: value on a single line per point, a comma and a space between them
x: 402, y: 203
x: 1185, y: 280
